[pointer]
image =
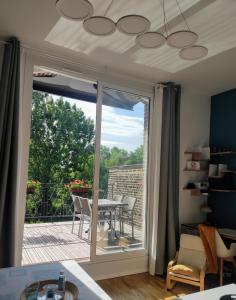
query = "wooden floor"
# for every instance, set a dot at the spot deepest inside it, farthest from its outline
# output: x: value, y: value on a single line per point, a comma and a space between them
x: 142, y: 287
x: 49, y: 242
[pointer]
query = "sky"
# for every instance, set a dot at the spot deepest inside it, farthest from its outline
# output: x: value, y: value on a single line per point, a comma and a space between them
x: 120, y: 127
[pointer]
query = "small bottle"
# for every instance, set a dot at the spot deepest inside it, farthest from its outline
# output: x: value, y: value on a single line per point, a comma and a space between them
x: 61, y: 281
x: 50, y: 295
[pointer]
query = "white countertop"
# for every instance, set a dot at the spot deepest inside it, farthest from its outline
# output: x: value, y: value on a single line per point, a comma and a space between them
x: 14, y: 280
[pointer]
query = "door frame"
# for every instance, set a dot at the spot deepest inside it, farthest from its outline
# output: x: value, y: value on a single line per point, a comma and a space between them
x: 67, y: 68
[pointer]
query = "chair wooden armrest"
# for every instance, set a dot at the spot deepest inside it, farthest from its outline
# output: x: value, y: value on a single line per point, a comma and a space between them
x: 202, y: 280
x: 170, y: 284
x: 173, y: 261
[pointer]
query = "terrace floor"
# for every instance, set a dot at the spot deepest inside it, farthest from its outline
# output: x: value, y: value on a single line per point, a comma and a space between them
x: 48, y: 242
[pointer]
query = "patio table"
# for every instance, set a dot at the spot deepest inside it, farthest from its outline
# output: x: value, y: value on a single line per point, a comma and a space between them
x: 110, y: 206
x: 107, y: 204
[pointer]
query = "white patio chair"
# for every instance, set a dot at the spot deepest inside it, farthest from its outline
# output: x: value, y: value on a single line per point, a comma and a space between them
x: 77, y: 213
x: 86, y: 215
x: 118, y: 198
x: 127, y: 213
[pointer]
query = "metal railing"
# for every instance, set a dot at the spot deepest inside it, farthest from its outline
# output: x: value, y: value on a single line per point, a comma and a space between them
x: 49, y: 202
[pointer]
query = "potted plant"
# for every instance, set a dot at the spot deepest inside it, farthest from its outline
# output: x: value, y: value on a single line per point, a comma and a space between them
x: 79, y: 187
x: 32, y: 185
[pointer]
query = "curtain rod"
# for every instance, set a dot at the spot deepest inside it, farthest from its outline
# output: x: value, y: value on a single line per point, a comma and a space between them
x: 3, y: 42
x: 164, y: 85
x: 161, y: 84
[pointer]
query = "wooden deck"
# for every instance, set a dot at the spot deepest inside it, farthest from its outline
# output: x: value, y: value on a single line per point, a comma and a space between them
x: 50, y: 242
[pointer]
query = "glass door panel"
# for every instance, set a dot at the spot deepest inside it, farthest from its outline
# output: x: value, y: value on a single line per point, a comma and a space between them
x: 121, y: 218
x: 60, y: 169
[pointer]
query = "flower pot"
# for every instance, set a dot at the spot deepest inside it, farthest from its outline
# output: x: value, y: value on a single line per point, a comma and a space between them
x: 82, y: 191
x: 30, y: 190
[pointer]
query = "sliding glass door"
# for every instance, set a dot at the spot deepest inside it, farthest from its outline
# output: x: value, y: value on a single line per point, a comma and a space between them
x: 67, y: 177
x: 120, y: 200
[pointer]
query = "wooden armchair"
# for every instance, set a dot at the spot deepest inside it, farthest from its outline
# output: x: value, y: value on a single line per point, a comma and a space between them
x: 189, y: 264
x: 224, y: 254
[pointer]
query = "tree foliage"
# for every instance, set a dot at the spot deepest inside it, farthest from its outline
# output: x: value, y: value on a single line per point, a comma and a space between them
x: 110, y: 157
x: 62, y: 149
x: 61, y: 143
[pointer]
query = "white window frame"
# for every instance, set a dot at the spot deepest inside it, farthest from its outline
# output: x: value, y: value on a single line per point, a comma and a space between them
x: 134, y: 252
x: 129, y: 86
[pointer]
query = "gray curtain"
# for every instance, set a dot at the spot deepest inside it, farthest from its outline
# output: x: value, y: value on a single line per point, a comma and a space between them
x: 9, y: 124
x: 168, y: 215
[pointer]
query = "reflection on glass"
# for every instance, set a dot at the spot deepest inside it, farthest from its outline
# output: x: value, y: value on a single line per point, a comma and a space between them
x: 122, y: 204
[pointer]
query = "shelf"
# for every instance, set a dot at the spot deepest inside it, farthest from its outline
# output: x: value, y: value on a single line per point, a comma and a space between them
x: 223, y: 153
x: 196, y: 192
x: 202, y: 170
x: 196, y: 156
x: 222, y: 191
x: 201, y: 159
x: 225, y: 171
x: 192, y: 152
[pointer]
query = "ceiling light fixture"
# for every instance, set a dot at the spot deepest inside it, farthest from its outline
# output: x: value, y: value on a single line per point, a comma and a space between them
x: 182, y: 38
x: 133, y: 24
x: 150, y: 40
x: 75, y: 10
x: 100, y: 25
x: 193, y: 52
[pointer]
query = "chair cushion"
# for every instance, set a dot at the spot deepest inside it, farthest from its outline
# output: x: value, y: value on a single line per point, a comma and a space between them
x: 190, y: 272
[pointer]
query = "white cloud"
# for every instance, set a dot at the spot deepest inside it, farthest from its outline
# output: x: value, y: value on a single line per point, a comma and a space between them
x: 118, y: 129
x: 88, y: 108
x: 121, y: 125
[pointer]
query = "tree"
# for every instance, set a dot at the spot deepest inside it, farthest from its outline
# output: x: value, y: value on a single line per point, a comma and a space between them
x: 135, y: 157
x: 110, y: 157
x: 115, y: 156
x: 61, y: 149
x: 61, y: 141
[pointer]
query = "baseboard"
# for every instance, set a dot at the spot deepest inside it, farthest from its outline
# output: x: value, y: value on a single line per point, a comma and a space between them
x: 116, y: 268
